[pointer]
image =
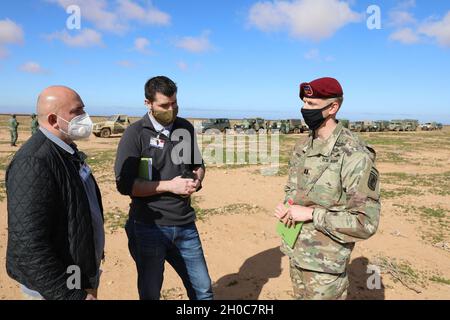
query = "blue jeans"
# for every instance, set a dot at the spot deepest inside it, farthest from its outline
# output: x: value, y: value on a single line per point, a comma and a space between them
x: 151, y: 245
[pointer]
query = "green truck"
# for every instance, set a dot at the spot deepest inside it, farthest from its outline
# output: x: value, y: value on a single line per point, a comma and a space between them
x: 357, y: 126
x: 297, y: 126
x: 221, y: 124
x: 412, y: 124
x: 115, y: 124
x: 381, y: 125
x: 397, y: 125
x: 429, y: 126
x: 280, y: 125
x: 257, y: 124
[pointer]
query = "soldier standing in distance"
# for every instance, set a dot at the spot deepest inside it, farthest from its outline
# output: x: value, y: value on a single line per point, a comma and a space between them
x: 13, y: 125
x: 34, y: 124
x: 334, y: 187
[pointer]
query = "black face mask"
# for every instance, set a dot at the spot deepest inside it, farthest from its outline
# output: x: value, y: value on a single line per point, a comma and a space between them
x: 313, y: 117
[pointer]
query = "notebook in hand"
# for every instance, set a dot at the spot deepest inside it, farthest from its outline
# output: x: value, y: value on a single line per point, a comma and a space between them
x: 145, y: 169
x: 289, y: 235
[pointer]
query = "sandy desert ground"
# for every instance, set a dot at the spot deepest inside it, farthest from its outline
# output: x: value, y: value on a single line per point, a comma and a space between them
x: 411, y: 247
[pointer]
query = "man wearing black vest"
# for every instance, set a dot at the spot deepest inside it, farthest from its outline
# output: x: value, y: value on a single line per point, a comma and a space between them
x: 159, y: 166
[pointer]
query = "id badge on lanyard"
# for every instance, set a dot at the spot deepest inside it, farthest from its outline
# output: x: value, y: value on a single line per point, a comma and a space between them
x: 157, y: 142
x: 85, y: 172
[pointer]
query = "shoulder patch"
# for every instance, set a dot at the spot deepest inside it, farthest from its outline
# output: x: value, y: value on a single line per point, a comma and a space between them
x: 372, y: 154
x: 373, y: 179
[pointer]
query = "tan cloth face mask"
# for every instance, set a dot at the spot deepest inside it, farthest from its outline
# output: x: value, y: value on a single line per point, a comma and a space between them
x: 165, y: 117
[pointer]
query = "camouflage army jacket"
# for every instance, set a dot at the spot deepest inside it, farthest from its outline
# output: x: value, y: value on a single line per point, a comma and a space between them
x: 338, y: 178
x: 13, y: 124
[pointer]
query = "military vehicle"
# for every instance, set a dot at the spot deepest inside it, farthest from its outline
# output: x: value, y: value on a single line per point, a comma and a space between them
x: 280, y: 125
x: 221, y: 124
x: 357, y: 126
x: 376, y: 126
x: 381, y: 125
x: 429, y: 126
x: 370, y: 126
x: 403, y: 125
x: 257, y: 124
x: 411, y: 124
x: 397, y: 125
x: 115, y: 124
x: 297, y: 126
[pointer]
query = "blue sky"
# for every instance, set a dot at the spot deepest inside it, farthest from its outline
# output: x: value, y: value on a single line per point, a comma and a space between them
x: 230, y: 58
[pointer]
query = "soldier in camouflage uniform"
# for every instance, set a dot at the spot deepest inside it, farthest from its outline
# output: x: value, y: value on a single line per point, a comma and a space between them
x: 13, y: 125
x: 34, y: 124
x: 334, y: 187
x: 288, y: 127
x: 282, y: 127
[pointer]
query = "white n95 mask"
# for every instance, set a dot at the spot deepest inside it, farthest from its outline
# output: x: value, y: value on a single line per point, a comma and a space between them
x: 80, y: 127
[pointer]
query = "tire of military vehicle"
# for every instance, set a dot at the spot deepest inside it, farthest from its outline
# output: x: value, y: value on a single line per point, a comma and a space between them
x: 297, y: 131
x: 261, y: 131
x: 105, y: 133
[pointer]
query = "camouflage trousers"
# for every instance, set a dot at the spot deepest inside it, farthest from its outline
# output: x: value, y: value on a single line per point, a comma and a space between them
x: 13, y: 137
x: 312, y: 285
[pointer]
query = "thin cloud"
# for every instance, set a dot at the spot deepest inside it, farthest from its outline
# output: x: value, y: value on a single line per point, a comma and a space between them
x: 196, y: 44
x: 407, y: 4
x: 85, y: 38
x: 150, y: 15
x: 438, y: 30
x: 10, y: 33
x: 141, y: 45
x: 400, y: 16
x: 3, y: 53
x: 33, y: 68
x: 116, y: 19
x: 315, y: 55
x: 125, y: 64
x: 405, y: 36
x: 96, y: 12
x: 431, y: 28
x: 183, y: 66
x: 303, y: 19
x: 72, y: 62
x: 312, y: 54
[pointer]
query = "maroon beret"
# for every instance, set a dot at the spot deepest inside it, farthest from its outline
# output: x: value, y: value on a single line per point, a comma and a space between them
x: 323, y: 88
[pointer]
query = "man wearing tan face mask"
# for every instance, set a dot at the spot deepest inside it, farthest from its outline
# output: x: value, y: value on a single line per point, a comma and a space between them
x: 55, y: 214
x: 160, y: 180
